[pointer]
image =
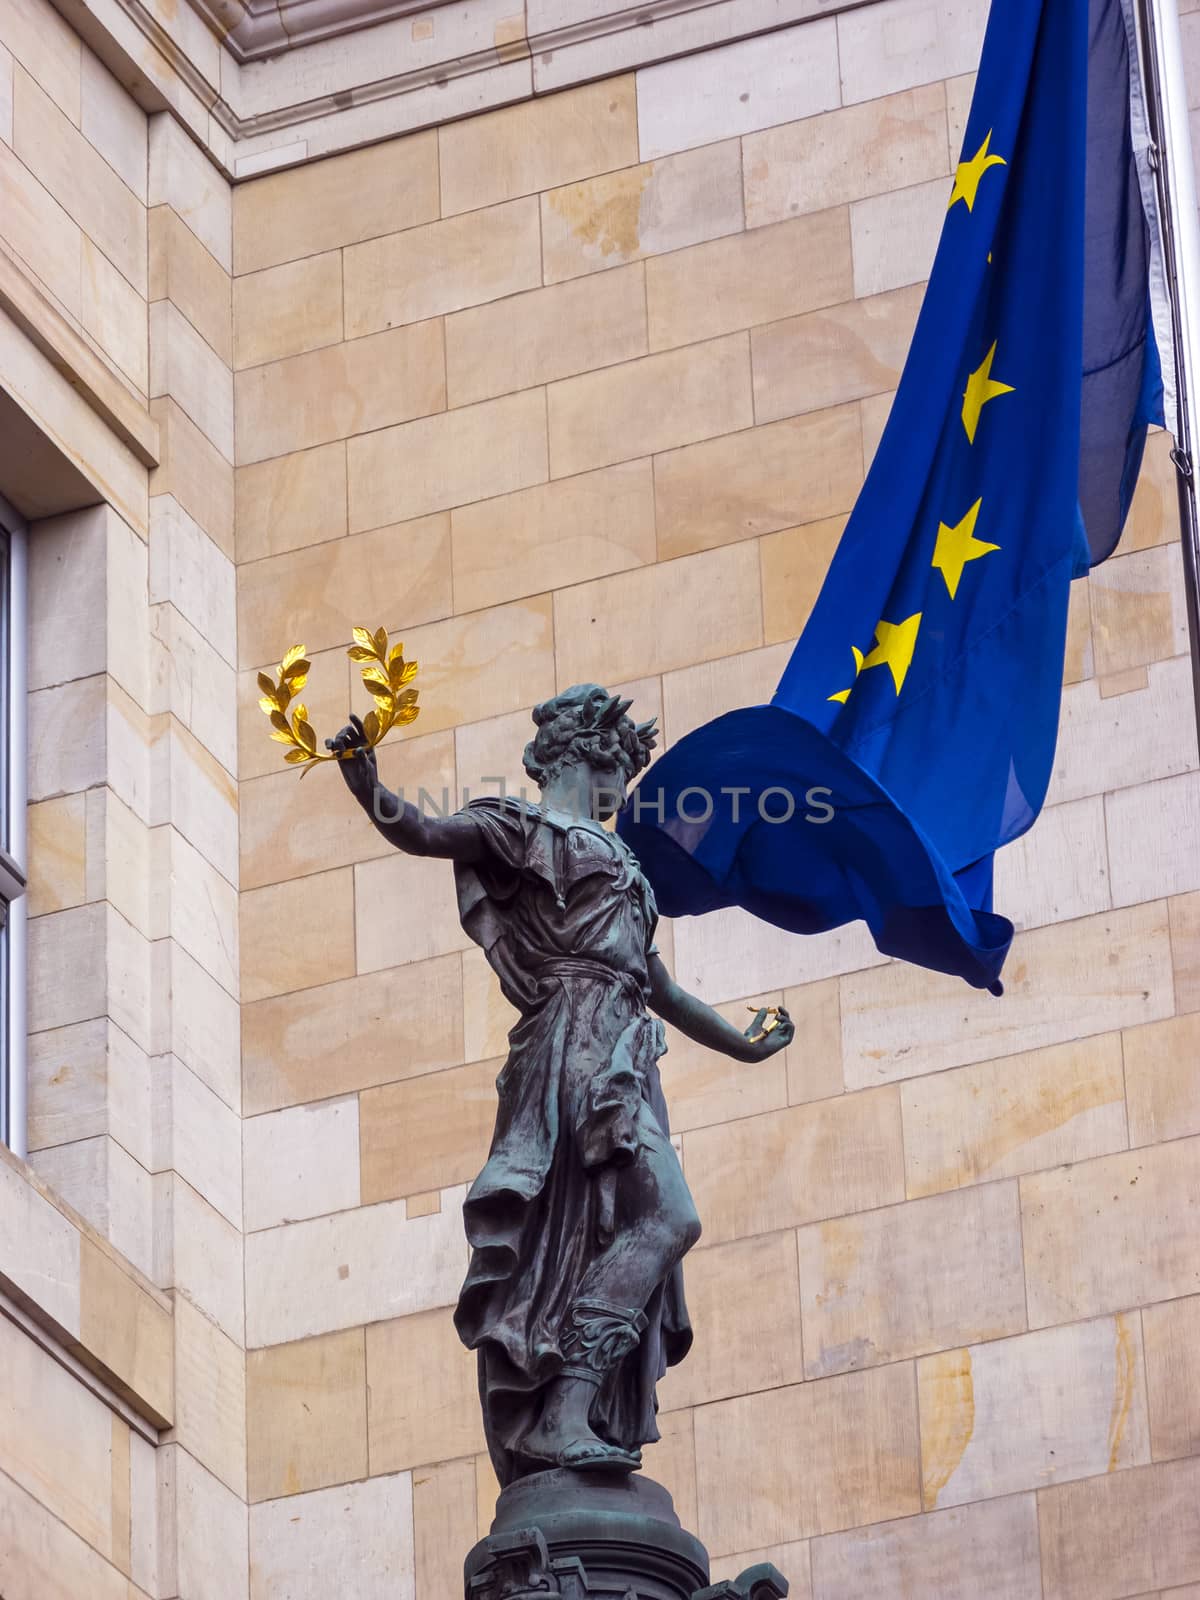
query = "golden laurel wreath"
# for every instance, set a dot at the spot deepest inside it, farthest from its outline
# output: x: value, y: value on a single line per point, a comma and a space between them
x: 385, y: 673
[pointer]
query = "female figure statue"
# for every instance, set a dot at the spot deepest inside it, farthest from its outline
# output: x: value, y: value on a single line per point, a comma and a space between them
x: 578, y: 1223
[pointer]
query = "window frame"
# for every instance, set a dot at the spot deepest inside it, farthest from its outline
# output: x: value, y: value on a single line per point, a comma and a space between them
x: 14, y: 560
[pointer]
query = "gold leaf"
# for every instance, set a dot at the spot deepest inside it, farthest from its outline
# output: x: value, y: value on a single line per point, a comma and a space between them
x: 407, y: 714
x: 297, y: 755
x: 408, y: 674
x: 381, y: 643
x: 408, y: 698
x: 298, y: 669
x: 396, y: 653
x: 278, y: 720
x: 376, y: 675
x: 305, y: 734
x: 381, y: 692
x: 301, y: 712
x: 296, y: 653
x: 364, y: 638
x: 283, y: 738
x: 371, y: 727
x: 266, y: 683
x: 297, y: 683
x: 358, y: 652
x: 268, y: 706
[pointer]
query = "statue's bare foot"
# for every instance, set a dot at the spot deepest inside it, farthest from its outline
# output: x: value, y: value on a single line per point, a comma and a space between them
x: 563, y: 1434
x: 562, y: 1447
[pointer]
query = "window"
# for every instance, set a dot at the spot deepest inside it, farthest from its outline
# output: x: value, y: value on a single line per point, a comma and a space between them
x: 12, y: 828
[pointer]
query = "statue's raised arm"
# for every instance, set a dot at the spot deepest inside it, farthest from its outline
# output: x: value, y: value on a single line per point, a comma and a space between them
x: 579, y: 1221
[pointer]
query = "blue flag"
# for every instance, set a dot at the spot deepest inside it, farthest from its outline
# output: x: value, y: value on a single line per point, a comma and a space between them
x: 913, y: 731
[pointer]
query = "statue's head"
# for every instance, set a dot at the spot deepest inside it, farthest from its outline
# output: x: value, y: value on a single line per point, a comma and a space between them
x: 586, y: 729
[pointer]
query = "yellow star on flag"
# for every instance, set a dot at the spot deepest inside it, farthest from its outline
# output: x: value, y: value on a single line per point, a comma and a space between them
x: 981, y: 387
x: 958, y: 545
x: 969, y: 174
x: 844, y: 694
x: 896, y: 643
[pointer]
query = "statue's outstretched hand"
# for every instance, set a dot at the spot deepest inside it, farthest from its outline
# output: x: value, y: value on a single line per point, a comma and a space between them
x: 358, y: 764
x: 764, y: 1044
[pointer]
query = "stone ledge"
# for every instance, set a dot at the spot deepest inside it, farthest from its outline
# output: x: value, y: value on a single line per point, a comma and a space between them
x: 70, y: 354
x: 86, y: 1305
x: 266, y: 84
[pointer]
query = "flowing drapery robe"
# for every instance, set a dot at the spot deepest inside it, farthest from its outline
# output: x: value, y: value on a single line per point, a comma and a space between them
x: 566, y: 919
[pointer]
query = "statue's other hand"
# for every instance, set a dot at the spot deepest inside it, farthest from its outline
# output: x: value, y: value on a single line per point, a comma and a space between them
x: 358, y: 762
x: 767, y: 1044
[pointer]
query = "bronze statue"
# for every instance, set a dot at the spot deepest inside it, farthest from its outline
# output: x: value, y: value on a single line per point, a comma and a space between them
x: 581, y: 1217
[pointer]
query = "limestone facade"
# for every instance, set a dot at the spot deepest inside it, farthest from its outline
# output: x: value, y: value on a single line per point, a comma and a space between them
x: 513, y: 384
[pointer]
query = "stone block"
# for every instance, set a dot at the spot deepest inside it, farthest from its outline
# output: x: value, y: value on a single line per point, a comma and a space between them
x: 301, y: 1162
x: 306, y: 1414
x: 533, y: 338
x: 423, y: 1397
x: 703, y: 1087
x: 750, y: 84
x: 743, y: 1298
x: 79, y: 178
x: 469, y: 454
x: 1058, y: 871
x: 337, y: 1272
x: 192, y: 573
x: 706, y: 604
x: 385, y: 931
x: 428, y: 1132
x: 182, y: 177
x: 48, y: 48
x: 1022, y: 1413
x: 1121, y: 1534
x: 553, y: 535
x: 211, y: 1536
x: 287, y: 310
x: 210, y: 1410
x: 1106, y: 1233
x: 320, y: 593
x: 845, y: 155
x: 326, y: 394
x: 1172, y: 1338
x: 444, y: 1526
x: 808, y: 1459
x: 917, y: 41
x: 1016, y: 1114
x: 1138, y: 612
x: 194, y: 471
x: 961, y: 1554
x: 789, y: 1167
x: 339, y: 201
x: 37, y: 228
x: 424, y: 272
x: 827, y: 357
x: 748, y: 279
x: 657, y: 403
x: 184, y: 271
x: 1115, y: 743
x: 287, y: 944
x: 183, y: 366
x: 1160, y: 1079
x: 794, y: 564
x: 757, y: 481
x: 537, y: 145
x: 291, y: 501
x: 894, y: 236
x: 1145, y: 825
x: 111, y: 120
x: 114, y: 314
x: 642, y: 211
x: 1112, y: 972
x: 357, y: 1537
x: 909, y: 1278
x: 351, y: 1034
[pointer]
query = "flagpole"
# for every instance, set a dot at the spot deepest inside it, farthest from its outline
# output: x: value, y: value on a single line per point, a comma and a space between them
x: 1171, y: 157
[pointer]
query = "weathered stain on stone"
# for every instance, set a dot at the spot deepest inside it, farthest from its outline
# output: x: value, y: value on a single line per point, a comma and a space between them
x: 1124, y: 1376
x: 611, y: 222
x: 947, y: 1398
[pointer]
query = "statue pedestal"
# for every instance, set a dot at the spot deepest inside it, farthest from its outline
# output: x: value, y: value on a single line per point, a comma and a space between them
x: 572, y: 1535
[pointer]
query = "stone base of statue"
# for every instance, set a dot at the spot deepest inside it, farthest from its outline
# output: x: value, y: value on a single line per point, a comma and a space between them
x: 578, y: 1535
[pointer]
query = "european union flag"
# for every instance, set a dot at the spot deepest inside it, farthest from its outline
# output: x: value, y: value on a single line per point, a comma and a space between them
x: 913, y: 731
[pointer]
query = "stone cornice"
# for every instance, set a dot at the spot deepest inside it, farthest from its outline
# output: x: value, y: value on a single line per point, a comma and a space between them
x: 265, y: 84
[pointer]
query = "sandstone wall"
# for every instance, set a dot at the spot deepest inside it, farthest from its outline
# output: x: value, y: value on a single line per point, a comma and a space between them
x: 585, y: 388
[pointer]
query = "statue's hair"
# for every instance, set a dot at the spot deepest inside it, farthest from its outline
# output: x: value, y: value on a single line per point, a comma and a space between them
x: 586, y: 721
